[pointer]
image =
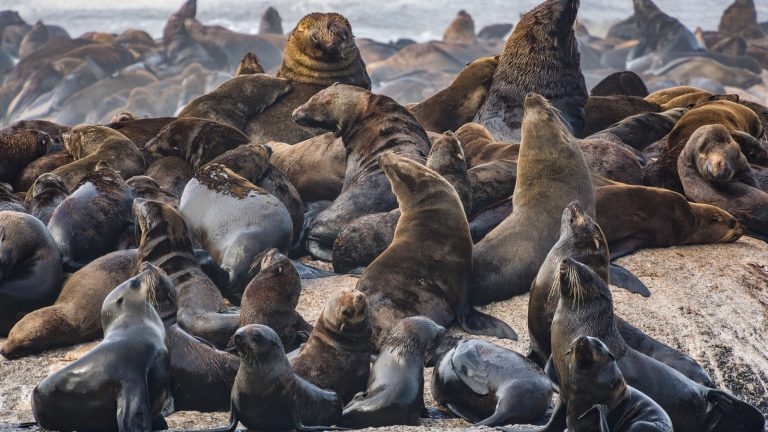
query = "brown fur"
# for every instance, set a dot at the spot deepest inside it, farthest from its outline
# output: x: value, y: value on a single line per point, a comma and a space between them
x: 461, y: 29
x: 624, y: 83
x: 44, y: 164
x: 44, y: 196
x: 316, y: 167
x: 663, y: 96
x: 147, y: 188
x: 172, y: 174
x: 480, y: 147
x: 19, y: 149
x: 740, y: 18
x: 140, y: 131
x: 196, y: 140
x: 612, y: 160
x: 249, y: 65
x: 603, y: 111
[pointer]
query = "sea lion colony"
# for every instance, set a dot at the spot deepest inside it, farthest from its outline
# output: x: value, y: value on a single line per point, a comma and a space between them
x: 159, y: 193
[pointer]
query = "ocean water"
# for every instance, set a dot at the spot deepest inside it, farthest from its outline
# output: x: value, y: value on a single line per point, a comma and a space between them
x: 382, y: 19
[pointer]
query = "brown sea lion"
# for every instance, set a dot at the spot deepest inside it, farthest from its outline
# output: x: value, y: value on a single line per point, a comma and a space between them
x: 641, y: 130
x: 250, y: 161
x: 9, y: 201
x: 44, y: 164
x: 547, y: 181
x: 249, y: 65
x: 236, y: 100
x: 665, y: 95
x: 457, y: 104
x: 624, y: 83
x: 369, y: 125
x: 19, y: 149
x: 326, y: 156
x: 270, y: 22
x: 320, y: 51
x: 554, y: 72
x: 480, y: 147
x: 44, y: 196
x: 141, y: 130
x: 740, y: 18
x: 461, y: 29
x: 74, y: 317
x: 147, y: 188
x: 612, y: 160
x: 197, y: 140
x: 693, y: 99
x: 172, y: 174
x: 603, y: 111
x: 270, y: 298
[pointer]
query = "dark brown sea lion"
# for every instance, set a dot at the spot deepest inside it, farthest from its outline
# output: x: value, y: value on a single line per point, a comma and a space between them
x: 507, y: 259
x: 196, y: 140
x: 94, y: 219
x: 740, y: 18
x: 395, y: 391
x: 461, y: 29
x: 485, y: 220
x: 271, y: 23
x: 19, y: 149
x: 172, y: 174
x: 54, y: 130
x: 126, y: 387
x: 641, y: 130
x: 457, y: 104
x: 612, y: 160
x: 44, y: 196
x: 9, y: 201
x: 554, y: 71
x: 603, y: 111
x: 326, y: 156
x: 250, y: 161
x: 164, y: 240
x: 249, y: 65
x: 147, y: 188
x: 75, y: 317
x: 236, y: 100
x: 480, y: 147
x: 140, y: 131
x: 624, y: 83
x: 319, y: 52
x: 369, y: 125
x: 270, y: 298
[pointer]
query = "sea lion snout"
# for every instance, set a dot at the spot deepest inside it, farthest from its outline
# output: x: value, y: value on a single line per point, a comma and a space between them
x: 717, y: 168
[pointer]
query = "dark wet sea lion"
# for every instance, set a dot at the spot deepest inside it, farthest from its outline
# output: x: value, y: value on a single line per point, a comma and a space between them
x: 488, y: 385
x: 140, y: 130
x: 147, y: 188
x: 164, y: 240
x: 44, y: 196
x: 624, y: 83
x: 601, y: 112
x: 30, y: 267
x: 601, y: 399
x: 94, y: 219
x: 485, y: 220
x: 338, y: 353
x: 641, y: 130
x: 547, y: 181
x: 492, y: 182
x: 270, y: 298
x: 612, y: 160
x: 44, y: 164
x: 369, y: 125
x: 75, y: 317
x: 554, y: 71
x: 19, y: 149
x: 172, y: 174
x: 249, y: 65
x: 395, y: 391
x: 126, y: 386
x: 196, y: 140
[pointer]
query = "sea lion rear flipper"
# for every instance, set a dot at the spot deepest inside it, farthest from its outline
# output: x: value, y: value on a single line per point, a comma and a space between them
x: 556, y: 423
x: 459, y: 412
x: 551, y: 372
x: 624, y: 247
x: 299, y: 426
x: 309, y: 272
x: 475, y: 322
x: 728, y: 412
x: 623, y: 278
x: 602, y: 411
x: 469, y: 366
x: 133, y: 406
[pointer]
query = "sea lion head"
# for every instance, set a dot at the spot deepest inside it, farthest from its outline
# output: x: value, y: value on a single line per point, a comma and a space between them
x: 332, y: 108
x: 165, y: 296
x: 594, y: 371
x: 123, y: 117
x: 347, y: 308
x: 80, y: 141
x: 157, y: 219
x: 554, y: 18
x: 47, y: 181
x: 416, y: 335
x: 579, y: 284
x: 324, y: 37
x: 576, y: 223
x: 675, y: 113
x: 407, y: 177
x: 134, y: 297
x: 542, y: 122
x: 714, y: 224
x: 271, y: 23
x: 256, y: 343
x: 461, y: 29
x: 716, y: 153
x: 249, y: 65
x: 278, y: 267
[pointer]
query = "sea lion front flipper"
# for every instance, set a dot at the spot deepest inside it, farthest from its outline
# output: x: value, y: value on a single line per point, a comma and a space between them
x: 602, y: 410
x: 624, y: 247
x: 133, y: 412
x: 551, y: 372
x: 475, y: 322
x: 299, y: 426
x: 469, y: 367
x: 623, y: 278
x: 724, y: 406
x: 309, y: 272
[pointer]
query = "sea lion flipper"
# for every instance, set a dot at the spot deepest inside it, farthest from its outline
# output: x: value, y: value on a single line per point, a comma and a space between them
x: 623, y: 278
x: 458, y: 411
x: 469, y: 366
x: 624, y: 247
x: 475, y: 322
x: 601, y: 410
x: 556, y: 423
x: 133, y: 407
x: 551, y: 372
x: 309, y: 272
x: 725, y: 406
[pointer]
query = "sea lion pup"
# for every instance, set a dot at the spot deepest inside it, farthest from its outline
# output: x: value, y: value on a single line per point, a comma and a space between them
x: 122, y: 383
x: 601, y: 112
x: 586, y: 309
x: 395, y: 392
x: 457, y: 104
x: 489, y: 385
x: 461, y: 30
x: 267, y: 396
x: 249, y: 65
x: 480, y: 147
x: 89, y: 144
x: 30, y: 267
x: 369, y: 125
x: 624, y: 83
x: 44, y: 196
x: 19, y: 149
x: 641, y: 130
x: 319, y: 52
x: 9, y: 201
x: 551, y: 173
x: 74, y: 318
x: 601, y: 399
x: 443, y: 273
x: 639, y: 217
x: 271, y: 298
x: 342, y: 338
x: 714, y: 171
x: 146, y: 187
x: 172, y: 173
x: 164, y: 241
x: 236, y: 220
x: 201, y: 376
x: 95, y: 219
x: 554, y: 72
x: 196, y: 140
x: 740, y: 18
x: 234, y: 101
x: 270, y: 22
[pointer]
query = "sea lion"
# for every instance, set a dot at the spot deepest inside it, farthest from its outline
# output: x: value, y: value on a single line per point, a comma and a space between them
x: 268, y: 396
x: 270, y: 22
x: 9, y: 201
x: 44, y: 164
x: 44, y: 196
x: 457, y: 104
x: 485, y: 220
x: 196, y: 140
x: 270, y: 298
x: 443, y: 273
x: 601, y: 112
x: 342, y: 338
x: 624, y: 83
x: 235, y: 220
x: 740, y: 18
x: 492, y: 182
x: 126, y: 384
x: 249, y: 65
x: 147, y: 188
x: 395, y: 391
x: 234, y: 101
x: 665, y: 95
x: 601, y: 399
x: 30, y: 267
x: 123, y: 116
x: 89, y: 144
x: 172, y: 174
x: 369, y: 125
x: 488, y: 385
x: 691, y: 406
x: 661, y: 36
x: 320, y: 51
x: 250, y: 161
x: 641, y: 130
x: 461, y: 29
x: 140, y: 130
x: 551, y: 173
x: 94, y: 219
x: 75, y: 317
x: 612, y: 160
x: 164, y: 240
x: 19, y: 149
x: 554, y: 72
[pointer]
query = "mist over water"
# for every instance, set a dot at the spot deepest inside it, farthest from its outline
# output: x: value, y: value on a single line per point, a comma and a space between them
x: 382, y: 20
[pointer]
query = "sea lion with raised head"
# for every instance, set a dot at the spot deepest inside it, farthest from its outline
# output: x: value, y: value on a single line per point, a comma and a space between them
x: 249, y: 65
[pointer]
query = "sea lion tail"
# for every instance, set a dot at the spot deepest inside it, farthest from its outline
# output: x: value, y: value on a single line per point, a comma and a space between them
x: 730, y: 413
x: 475, y: 322
x: 623, y: 278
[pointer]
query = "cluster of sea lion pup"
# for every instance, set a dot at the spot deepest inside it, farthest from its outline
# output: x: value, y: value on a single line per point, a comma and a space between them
x: 214, y: 217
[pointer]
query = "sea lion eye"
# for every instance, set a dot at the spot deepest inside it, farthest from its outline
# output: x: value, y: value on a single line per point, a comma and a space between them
x: 119, y: 301
x: 279, y: 269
